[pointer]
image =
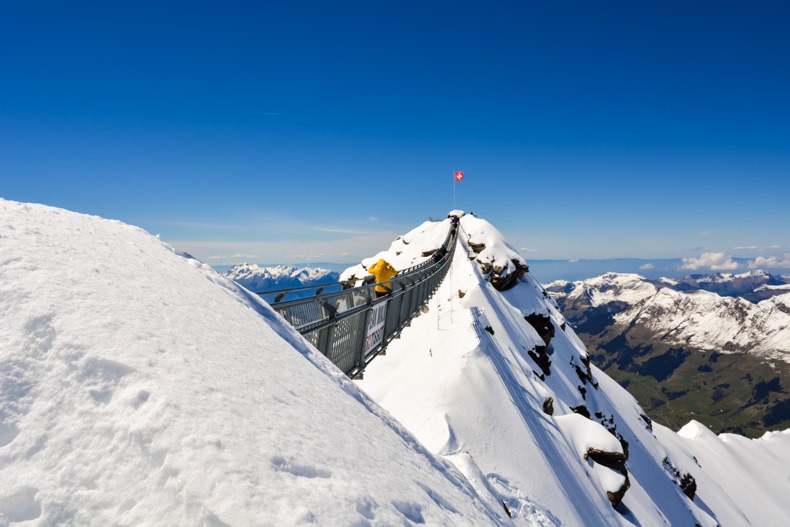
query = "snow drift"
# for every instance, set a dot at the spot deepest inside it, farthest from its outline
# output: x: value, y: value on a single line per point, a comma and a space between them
x: 140, y: 387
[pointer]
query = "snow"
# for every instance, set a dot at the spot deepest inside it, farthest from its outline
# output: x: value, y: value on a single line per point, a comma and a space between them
x: 140, y: 387
x: 703, y: 319
x: 257, y: 278
x: 406, y: 251
x: 461, y: 379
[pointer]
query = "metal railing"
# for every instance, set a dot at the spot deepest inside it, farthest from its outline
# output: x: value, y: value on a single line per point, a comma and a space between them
x: 351, y: 326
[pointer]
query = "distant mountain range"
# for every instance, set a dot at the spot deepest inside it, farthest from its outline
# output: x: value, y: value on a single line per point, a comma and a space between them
x: 258, y: 279
x: 714, y: 347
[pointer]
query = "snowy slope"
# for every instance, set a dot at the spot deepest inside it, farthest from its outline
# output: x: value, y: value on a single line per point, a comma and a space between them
x: 140, y: 387
x: 697, y: 318
x: 257, y: 278
x: 474, y: 380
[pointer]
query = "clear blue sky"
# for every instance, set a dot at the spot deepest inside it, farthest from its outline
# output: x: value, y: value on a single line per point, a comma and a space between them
x: 317, y: 131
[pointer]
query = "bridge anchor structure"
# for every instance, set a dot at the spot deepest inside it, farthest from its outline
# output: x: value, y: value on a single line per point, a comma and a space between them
x: 349, y: 325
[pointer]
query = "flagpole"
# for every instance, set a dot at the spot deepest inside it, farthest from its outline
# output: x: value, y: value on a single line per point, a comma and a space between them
x: 454, y: 182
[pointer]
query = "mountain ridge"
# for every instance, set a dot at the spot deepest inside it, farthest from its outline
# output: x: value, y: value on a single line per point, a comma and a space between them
x: 685, y: 350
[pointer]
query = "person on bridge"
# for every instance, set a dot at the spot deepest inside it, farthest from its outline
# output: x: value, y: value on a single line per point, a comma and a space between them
x: 383, y: 272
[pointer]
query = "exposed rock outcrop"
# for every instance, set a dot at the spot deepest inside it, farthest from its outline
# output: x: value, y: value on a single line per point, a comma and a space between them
x: 541, y: 357
x: 615, y: 461
x: 542, y: 324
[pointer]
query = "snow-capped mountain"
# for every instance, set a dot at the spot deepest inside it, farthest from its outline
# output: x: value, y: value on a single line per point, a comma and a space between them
x: 671, y: 311
x: 493, y: 378
x: 676, y: 340
x: 140, y: 387
x: 753, y: 286
x: 257, y: 279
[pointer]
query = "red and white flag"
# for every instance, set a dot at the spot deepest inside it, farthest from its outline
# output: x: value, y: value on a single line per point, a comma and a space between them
x: 458, y: 176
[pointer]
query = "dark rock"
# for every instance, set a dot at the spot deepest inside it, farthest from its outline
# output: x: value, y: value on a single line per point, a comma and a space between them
x: 613, y: 460
x: 489, y: 329
x: 581, y: 410
x: 477, y: 247
x: 548, y: 406
x: 616, y: 497
x: 542, y: 324
x: 503, y: 282
x: 686, y: 482
x: 648, y: 421
x: 541, y: 358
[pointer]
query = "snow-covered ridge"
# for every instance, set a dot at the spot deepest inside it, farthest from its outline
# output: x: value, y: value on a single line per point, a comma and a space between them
x: 140, y: 387
x: 257, y: 278
x: 498, y: 383
x: 684, y: 312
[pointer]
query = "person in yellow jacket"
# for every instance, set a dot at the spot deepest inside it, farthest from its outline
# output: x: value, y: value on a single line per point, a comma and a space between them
x: 383, y: 272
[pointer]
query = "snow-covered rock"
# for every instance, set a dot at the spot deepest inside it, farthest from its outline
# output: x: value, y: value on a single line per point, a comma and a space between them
x: 139, y: 387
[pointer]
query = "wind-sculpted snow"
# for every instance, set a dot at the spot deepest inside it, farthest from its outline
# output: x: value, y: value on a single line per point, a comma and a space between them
x: 140, y: 387
x: 499, y: 384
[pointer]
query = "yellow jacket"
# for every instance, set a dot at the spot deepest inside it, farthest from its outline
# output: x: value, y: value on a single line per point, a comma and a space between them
x: 383, y: 272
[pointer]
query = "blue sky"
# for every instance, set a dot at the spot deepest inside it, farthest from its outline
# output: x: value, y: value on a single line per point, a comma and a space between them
x: 280, y: 132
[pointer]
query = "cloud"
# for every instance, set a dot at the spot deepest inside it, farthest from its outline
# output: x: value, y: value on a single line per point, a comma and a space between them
x: 647, y: 266
x: 528, y: 250
x: 745, y: 248
x: 771, y: 262
x: 714, y: 261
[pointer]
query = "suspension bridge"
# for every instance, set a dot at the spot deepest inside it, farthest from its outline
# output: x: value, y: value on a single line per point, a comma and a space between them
x: 350, y: 325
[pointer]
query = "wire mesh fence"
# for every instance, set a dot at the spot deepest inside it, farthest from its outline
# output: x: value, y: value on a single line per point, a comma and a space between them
x: 351, y: 327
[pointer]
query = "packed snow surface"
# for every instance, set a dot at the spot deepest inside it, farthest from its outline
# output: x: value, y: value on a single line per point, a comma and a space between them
x: 140, y: 387
x: 462, y: 378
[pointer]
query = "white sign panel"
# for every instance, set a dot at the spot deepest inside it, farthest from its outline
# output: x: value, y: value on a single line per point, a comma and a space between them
x: 376, y: 321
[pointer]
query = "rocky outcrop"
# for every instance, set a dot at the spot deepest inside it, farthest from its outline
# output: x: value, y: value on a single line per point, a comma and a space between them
x: 542, y: 324
x: 686, y: 481
x: 615, y: 461
x: 541, y: 357
x: 503, y: 282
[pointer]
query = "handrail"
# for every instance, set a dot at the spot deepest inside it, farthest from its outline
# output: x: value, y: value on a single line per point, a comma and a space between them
x: 351, y: 326
x: 280, y: 294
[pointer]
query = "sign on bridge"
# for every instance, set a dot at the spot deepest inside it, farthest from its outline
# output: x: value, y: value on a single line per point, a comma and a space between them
x: 376, y: 321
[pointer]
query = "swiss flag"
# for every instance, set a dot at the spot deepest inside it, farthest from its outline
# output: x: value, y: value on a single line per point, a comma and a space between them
x: 458, y: 176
